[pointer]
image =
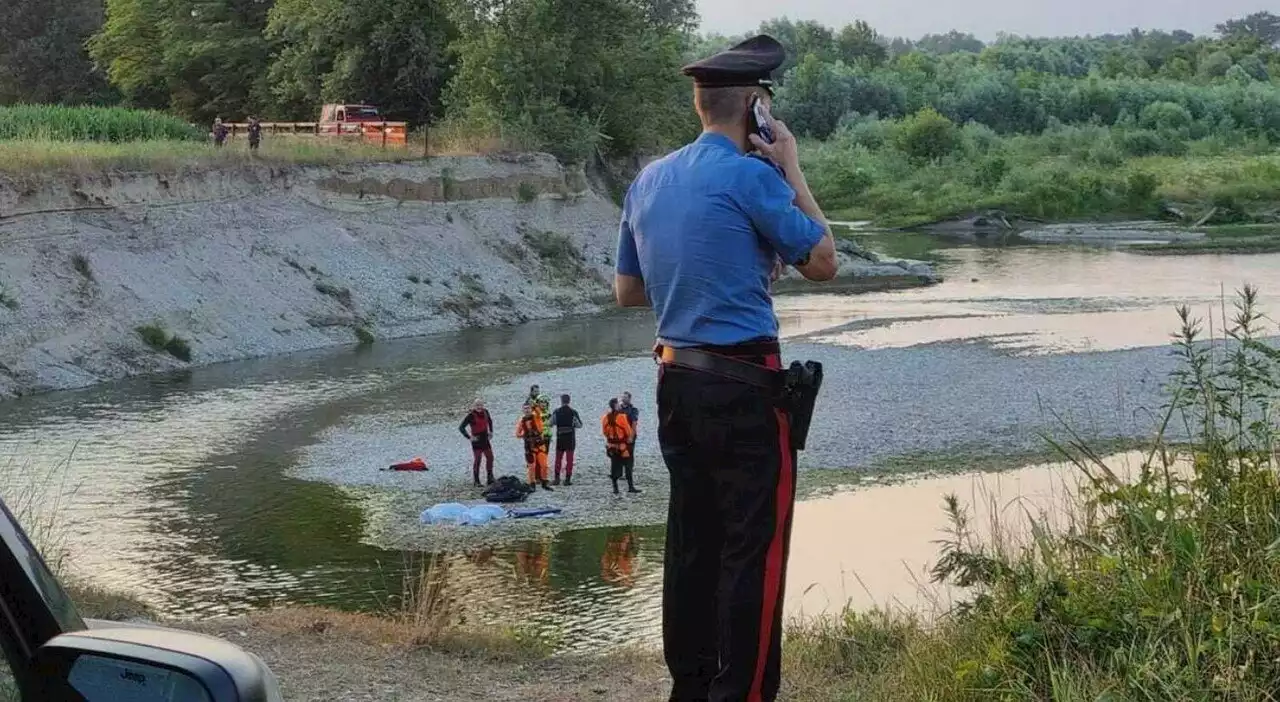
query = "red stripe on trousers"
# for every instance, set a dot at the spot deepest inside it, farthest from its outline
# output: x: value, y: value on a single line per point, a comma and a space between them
x: 773, y: 560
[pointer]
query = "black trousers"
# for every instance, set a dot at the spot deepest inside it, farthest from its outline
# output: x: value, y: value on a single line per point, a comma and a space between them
x: 732, y: 468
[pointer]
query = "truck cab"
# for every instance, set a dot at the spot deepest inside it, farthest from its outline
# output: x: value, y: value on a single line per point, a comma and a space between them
x: 349, y: 113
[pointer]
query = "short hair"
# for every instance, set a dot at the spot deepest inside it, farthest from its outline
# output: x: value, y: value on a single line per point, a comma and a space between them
x: 613, y: 403
x: 564, y: 399
x: 722, y: 105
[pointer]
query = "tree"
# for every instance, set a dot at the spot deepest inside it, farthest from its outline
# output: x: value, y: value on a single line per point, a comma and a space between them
x: 927, y: 135
x: 1216, y: 64
x: 859, y: 44
x: 899, y: 46
x: 950, y: 43
x: 391, y: 53
x: 42, y: 54
x: 1263, y: 26
x: 600, y: 69
x: 130, y: 48
x: 200, y: 58
x: 801, y: 39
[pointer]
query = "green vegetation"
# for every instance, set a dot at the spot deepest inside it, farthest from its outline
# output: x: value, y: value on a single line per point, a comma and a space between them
x: 903, y: 172
x: 898, y: 131
x: 7, y: 299
x: 342, y: 295
x: 109, y: 124
x: 155, y: 336
x: 526, y: 193
x: 26, y: 156
x: 364, y: 337
x: 1162, y: 586
x: 81, y: 263
x: 1051, y: 128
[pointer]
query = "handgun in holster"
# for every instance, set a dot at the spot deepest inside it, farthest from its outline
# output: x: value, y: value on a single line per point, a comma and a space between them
x: 795, y: 389
x: 800, y: 387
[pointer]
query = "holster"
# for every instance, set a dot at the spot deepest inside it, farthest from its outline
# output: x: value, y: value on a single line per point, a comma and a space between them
x: 800, y: 390
x: 795, y: 390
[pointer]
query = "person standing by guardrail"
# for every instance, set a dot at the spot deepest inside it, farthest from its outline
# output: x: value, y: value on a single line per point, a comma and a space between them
x: 219, y: 132
x: 255, y: 133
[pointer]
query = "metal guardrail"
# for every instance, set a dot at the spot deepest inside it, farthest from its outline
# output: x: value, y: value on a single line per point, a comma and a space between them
x: 386, y: 133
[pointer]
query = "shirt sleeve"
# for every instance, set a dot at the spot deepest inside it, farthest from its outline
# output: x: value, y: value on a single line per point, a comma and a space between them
x: 770, y: 203
x: 628, y: 257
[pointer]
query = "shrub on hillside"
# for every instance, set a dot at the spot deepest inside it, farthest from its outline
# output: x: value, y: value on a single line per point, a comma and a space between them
x: 927, y: 135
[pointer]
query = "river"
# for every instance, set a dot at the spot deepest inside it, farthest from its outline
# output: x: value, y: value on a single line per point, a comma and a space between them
x: 245, y: 485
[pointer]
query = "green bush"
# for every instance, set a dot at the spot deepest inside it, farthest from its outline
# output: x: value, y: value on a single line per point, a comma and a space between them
x: 927, y: 135
x: 178, y: 348
x: 1165, y: 116
x: 114, y: 124
x: 364, y: 337
x: 155, y: 336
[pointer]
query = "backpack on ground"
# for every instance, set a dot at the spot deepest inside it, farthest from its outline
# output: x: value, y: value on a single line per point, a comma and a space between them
x: 508, y: 488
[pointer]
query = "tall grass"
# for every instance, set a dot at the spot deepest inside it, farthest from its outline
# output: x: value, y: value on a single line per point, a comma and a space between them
x: 1162, y: 586
x: 110, y: 124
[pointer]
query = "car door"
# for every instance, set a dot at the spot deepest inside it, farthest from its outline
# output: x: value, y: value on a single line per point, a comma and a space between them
x: 33, y: 606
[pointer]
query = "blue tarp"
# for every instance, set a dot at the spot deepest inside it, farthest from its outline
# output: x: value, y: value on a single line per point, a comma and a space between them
x: 457, y: 513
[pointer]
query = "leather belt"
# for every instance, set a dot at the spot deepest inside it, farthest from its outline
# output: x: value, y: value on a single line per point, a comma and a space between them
x: 726, y: 366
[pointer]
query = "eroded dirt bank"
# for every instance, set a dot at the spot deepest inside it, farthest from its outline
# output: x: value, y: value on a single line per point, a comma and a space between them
x: 266, y: 260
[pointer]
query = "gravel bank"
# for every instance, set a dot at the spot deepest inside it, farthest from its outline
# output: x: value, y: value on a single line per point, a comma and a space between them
x: 877, y: 405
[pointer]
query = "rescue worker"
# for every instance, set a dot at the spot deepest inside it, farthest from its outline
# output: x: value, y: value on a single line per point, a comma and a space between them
x: 255, y: 133
x: 701, y: 233
x: 480, y: 422
x: 543, y: 408
x: 534, y: 392
x: 617, y: 445
x: 530, y: 429
x: 566, y: 422
x: 633, y: 416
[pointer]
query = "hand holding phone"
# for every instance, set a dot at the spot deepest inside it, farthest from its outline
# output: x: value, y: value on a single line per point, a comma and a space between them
x: 760, y: 120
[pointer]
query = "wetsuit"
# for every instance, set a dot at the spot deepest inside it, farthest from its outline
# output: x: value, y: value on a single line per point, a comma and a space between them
x: 535, y: 449
x: 566, y: 422
x: 617, y: 445
x: 633, y: 416
x: 481, y: 425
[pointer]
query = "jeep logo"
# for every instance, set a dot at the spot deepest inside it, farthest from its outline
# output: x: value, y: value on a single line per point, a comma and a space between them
x: 134, y: 677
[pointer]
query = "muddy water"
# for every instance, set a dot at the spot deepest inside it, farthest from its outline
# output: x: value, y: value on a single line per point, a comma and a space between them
x: 179, y: 489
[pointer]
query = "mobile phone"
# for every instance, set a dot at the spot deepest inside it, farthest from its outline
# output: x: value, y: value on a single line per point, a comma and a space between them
x: 760, y: 120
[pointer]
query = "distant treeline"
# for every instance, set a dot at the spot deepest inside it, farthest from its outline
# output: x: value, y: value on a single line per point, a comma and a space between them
x: 571, y: 76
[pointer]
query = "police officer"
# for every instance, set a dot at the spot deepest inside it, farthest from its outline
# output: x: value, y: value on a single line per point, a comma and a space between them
x: 702, y: 232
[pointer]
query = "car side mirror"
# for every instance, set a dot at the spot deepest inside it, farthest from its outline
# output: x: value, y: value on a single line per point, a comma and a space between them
x: 150, y: 664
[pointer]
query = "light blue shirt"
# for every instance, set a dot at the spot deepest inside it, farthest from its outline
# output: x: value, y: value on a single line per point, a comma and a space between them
x: 703, y: 227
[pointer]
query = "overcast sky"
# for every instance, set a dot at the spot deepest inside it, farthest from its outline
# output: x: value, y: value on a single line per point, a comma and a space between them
x: 984, y: 18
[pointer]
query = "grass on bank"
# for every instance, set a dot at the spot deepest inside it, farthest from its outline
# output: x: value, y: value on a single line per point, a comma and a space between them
x: 1161, y: 588
x: 90, y: 140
